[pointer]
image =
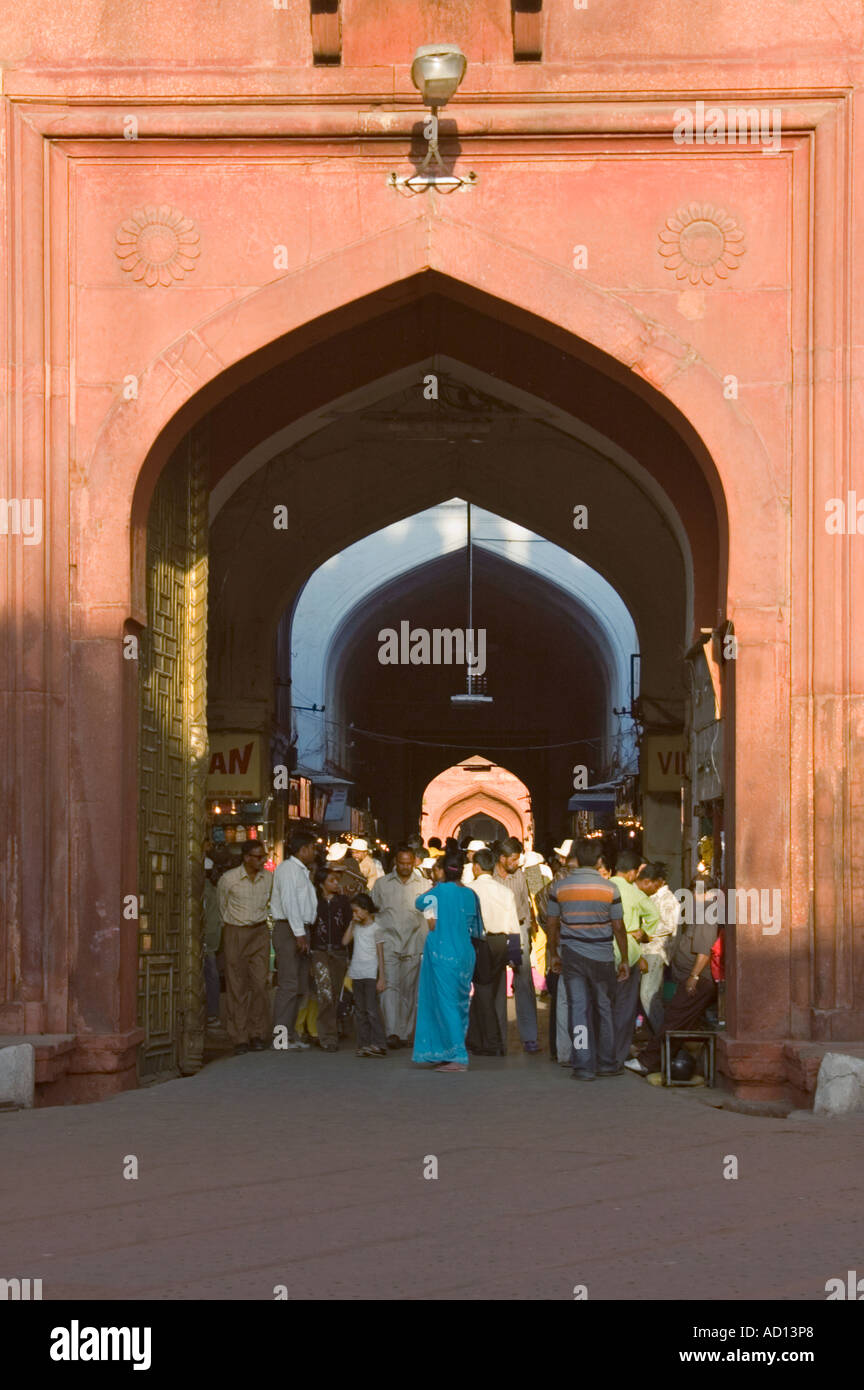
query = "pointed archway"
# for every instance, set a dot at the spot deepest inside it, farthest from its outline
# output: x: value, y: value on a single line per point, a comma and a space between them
x: 476, y: 786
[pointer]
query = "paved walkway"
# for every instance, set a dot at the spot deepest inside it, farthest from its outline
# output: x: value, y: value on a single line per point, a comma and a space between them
x: 306, y: 1169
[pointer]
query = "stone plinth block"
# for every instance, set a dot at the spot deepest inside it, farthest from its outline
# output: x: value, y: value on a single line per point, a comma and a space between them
x: 17, y: 1074
x: 840, y: 1085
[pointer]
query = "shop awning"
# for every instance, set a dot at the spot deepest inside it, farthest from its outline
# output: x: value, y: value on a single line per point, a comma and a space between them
x: 600, y: 800
x: 321, y: 779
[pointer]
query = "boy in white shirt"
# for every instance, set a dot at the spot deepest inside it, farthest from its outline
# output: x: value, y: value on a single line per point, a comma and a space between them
x: 367, y: 977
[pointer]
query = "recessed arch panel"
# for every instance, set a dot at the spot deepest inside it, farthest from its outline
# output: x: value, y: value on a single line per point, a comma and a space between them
x: 255, y: 397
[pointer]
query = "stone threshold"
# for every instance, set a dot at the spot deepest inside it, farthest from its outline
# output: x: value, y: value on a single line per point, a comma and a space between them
x: 774, y: 1072
x: 781, y: 1070
x: 78, y: 1067
x: 52, y: 1051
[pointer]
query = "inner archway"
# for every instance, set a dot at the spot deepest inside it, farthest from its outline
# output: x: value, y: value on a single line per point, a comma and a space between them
x: 476, y: 787
x: 348, y: 710
x: 481, y: 827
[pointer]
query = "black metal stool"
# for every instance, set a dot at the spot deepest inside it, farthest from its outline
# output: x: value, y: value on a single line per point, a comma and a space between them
x: 688, y: 1035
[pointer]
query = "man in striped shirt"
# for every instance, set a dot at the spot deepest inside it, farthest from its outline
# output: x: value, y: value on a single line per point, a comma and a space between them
x: 584, y: 917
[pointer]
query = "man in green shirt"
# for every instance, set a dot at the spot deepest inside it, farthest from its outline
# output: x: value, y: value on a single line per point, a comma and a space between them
x: 641, y: 920
x: 691, y: 970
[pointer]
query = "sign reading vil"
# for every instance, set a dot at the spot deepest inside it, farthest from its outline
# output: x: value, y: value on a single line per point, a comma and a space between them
x: 663, y: 762
x: 236, y: 765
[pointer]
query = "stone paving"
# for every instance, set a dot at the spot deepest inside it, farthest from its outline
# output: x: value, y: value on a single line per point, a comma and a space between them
x: 306, y: 1169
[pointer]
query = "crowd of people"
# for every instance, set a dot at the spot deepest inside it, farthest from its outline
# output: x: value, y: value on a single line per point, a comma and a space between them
x: 420, y: 955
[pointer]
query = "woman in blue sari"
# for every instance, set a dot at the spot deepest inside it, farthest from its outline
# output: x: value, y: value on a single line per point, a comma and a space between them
x: 453, y: 913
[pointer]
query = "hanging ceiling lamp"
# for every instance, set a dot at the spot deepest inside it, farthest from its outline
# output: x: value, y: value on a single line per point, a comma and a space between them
x: 475, y: 686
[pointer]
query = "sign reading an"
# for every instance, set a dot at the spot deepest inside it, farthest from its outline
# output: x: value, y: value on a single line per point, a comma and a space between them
x: 236, y: 766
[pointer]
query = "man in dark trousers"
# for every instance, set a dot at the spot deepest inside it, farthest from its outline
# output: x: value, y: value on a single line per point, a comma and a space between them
x: 691, y: 970
x: 294, y: 908
x: 507, y: 854
x: 487, y: 1026
x: 583, y: 920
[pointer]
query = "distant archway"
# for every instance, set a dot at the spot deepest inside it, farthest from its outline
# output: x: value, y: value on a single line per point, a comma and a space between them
x: 481, y: 827
x: 476, y: 786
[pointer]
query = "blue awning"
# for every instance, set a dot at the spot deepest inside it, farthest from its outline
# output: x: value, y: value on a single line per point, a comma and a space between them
x: 600, y: 800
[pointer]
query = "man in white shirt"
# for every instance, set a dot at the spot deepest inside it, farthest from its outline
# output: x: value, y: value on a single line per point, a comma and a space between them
x: 402, y: 932
x: 487, y: 1025
x: 294, y: 907
x: 657, y: 952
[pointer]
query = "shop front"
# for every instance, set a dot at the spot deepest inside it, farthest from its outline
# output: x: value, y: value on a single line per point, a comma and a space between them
x: 240, y: 806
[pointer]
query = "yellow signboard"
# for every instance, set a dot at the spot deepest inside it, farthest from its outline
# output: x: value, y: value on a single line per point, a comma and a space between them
x: 236, y: 765
x: 663, y: 762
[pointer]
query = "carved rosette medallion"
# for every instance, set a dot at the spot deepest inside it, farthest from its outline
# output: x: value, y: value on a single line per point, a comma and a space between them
x: 701, y: 243
x: 157, y: 245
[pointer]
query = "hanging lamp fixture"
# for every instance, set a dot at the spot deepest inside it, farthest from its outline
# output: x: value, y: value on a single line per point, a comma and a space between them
x: 475, y: 686
x: 437, y: 70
